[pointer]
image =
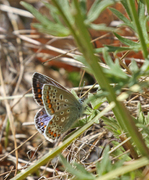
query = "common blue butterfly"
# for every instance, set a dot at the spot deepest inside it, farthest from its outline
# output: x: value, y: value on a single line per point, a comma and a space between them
x: 60, y: 109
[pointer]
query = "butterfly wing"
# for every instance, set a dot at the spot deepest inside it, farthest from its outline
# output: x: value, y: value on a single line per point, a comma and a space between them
x: 64, y: 107
x: 56, y: 100
x: 42, y: 120
x: 38, y: 81
x: 60, y: 123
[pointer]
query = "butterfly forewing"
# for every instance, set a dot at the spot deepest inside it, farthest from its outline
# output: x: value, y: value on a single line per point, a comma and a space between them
x: 56, y: 100
x: 38, y: 81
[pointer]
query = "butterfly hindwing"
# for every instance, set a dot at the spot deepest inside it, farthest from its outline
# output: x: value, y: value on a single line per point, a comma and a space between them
x: 60, y: 124
x: 42, y: 120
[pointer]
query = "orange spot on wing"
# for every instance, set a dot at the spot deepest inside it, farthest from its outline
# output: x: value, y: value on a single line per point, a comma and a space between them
x: 50, y: 106
x: 54, y: 135
x: 39, y: 90
x: 52, y: 111
x: 41, y: 123
x: 51, y: 132
x: 39, y: 95
x: 48, y: 101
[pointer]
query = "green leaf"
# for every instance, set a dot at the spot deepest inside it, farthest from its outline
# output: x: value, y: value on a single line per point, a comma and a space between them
x: 97, y: 99
x: 143, y: 20
x: 43, y: 19
x: 145, y: 67
x: 86, y: 174
x: 134, y: 67
x: 120, y: 162
x: 54, y: 12
x: 96, y: 9
x: 47, y: 25
x: 66, y: 10
x: 79, y: 172
x: 112, y: 49
x: 141, y: 11
x: 105, y: 164
x: 115, y: 68
x: 118, y: 49
x: 123, y: 18
x: 125, y: 4
x: 112, y: 125
x: 83, y: 8
x: 50, y: 29
x: 83, y: 61
x: 145, y: 30
x: 127, y: 41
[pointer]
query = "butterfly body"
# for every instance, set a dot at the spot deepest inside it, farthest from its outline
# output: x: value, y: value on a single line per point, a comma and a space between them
x: 60, y: 109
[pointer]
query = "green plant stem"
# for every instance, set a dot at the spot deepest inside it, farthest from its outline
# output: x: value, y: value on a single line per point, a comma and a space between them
x: 147, y: 5
x: 125, y: 169
x: 133, y: 11
x: 83, y: 41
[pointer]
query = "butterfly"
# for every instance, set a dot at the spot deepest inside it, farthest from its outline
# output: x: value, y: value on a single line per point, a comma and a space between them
x: 59, y: 107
